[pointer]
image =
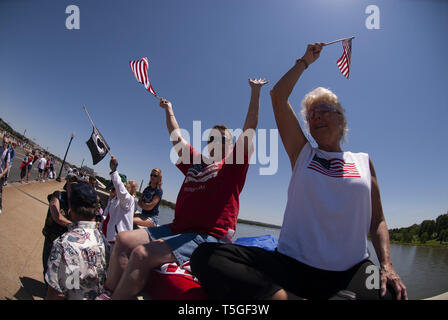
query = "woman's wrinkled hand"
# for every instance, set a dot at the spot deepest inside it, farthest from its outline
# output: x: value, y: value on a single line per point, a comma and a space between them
x: 390, y: 277
x: 313, y: 52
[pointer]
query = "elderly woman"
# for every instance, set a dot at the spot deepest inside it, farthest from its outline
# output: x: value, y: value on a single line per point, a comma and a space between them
x: 333, y: 203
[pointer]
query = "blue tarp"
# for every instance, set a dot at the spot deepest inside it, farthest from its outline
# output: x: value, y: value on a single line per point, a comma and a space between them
x: 267, y: 242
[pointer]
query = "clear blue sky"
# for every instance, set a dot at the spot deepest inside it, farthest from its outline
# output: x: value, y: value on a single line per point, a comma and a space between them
x: 202, y: 53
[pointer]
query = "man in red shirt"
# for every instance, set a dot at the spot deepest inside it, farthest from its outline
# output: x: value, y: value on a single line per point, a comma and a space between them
x: 206, y: 208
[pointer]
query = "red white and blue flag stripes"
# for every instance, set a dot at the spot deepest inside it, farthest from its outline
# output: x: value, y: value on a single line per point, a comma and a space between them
x: 336, y: 168
x: 344, y: 61
x: 140, y: 68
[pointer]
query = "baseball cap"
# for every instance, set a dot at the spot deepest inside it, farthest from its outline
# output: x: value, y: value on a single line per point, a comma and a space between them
x: 83, y: 195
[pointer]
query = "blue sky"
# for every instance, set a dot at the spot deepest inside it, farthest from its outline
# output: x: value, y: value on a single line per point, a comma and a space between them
x: 201, y: 54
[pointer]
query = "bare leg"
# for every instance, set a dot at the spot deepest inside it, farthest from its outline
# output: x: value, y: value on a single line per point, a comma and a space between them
x: 144, y: 222
x: 125, y: 242
x: 143, y: 259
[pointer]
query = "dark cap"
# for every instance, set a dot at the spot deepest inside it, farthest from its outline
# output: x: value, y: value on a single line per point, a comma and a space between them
x: 71, y: 179
x: 83, y: 195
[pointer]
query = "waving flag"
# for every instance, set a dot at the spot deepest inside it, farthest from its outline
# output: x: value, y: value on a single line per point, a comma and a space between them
x: 98, y: 146
x: 140, y: 68
x: 344, y: 61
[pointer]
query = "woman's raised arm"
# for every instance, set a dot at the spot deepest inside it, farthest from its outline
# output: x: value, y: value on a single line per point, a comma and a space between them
x: 287, y: 122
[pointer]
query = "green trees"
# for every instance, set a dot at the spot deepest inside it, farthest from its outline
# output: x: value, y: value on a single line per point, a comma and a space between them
x: 443, y: 236
x: 427, y: 230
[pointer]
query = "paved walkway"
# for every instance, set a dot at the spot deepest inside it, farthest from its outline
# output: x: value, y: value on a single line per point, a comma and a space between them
x: 21, y: 241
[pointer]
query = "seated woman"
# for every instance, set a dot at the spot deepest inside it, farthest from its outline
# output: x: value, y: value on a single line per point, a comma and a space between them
x: 149, y: 201
x: 207, y: 204
x: 333, y: 203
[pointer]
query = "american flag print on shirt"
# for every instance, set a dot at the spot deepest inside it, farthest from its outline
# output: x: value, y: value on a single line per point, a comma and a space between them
x: 140, y: 68
x: 173, y: 269
x: 202, y: 172
x: 344, y: 61
x: 335, y: 168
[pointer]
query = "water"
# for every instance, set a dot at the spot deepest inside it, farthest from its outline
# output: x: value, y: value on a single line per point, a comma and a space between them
x: 424, y: 270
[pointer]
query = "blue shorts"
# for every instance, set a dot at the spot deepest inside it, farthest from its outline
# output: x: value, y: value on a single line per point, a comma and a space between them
x: 154, y: 218
x: 182, y: 244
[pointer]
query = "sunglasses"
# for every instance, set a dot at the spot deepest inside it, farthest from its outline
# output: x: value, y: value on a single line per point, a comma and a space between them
x: 154, y: 175
x: 322, y: 110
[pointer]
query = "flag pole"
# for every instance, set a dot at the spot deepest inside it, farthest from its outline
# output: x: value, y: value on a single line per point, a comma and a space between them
x: 339, y: 40
x: 91, y: 121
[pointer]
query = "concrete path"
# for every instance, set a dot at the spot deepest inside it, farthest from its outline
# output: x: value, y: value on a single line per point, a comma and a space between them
x: 21, y: 241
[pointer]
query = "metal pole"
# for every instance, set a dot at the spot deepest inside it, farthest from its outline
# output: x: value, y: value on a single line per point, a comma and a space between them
x: 339, y: 40
x: 63, y: 162
x: 82, y: 163
x: 141, y: 184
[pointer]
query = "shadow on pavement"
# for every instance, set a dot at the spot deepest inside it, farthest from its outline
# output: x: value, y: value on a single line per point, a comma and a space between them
x: 30, y: 289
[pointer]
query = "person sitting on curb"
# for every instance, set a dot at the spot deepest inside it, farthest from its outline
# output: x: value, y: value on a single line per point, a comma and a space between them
x: 78, y: 260
x: 206, y: 210
x: 149, y: 201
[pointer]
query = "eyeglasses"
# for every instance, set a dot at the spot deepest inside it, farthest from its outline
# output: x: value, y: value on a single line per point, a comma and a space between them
x: 321, y: 109
x: 154, y: 175
x: 223, y: 140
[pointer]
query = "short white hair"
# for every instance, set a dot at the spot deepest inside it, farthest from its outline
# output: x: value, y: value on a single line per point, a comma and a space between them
x: 318, y: 96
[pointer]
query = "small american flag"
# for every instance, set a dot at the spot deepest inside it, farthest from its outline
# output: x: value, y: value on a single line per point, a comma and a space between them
x: 344, y: 61
x: 140, y: 68
x: 335, y: 167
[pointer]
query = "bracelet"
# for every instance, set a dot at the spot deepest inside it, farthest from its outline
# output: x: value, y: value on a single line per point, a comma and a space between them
x: 304, y: 62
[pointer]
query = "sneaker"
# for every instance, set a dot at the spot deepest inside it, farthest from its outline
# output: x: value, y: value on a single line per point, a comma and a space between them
x: 105, y: 295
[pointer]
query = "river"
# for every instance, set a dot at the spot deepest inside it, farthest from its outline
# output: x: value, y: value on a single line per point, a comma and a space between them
x: 424, y: 270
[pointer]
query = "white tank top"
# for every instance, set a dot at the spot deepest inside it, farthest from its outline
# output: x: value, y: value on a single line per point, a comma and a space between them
x: 328, y: 213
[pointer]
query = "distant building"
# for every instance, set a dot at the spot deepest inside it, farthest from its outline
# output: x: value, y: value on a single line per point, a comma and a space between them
x: 89, y: 171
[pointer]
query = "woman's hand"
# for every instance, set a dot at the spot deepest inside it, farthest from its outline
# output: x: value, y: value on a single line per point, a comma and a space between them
x: 165, y: 104
x: 257, y: 83
x: 312, y: 52
x: 390, y: 277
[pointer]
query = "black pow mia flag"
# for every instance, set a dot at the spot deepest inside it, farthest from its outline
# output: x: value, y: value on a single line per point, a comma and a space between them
x: 98, y: 146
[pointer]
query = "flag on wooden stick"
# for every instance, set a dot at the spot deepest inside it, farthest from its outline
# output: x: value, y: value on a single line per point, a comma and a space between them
x: 344, y: 61
x: 140, y: 68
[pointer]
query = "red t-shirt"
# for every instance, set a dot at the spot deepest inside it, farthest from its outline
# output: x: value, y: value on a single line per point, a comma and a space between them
x: 208, y: 200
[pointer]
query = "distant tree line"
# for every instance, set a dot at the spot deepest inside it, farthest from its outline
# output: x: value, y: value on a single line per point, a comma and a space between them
x: 436, y: 230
